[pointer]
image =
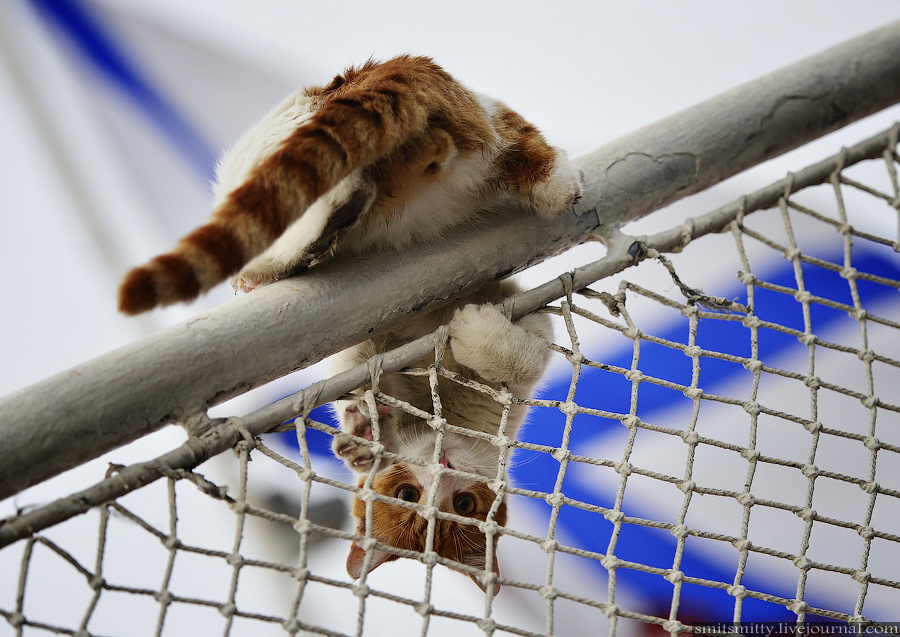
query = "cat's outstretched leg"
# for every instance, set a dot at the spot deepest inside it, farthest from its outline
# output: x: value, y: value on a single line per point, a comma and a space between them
x: 312, y: 235
x: 487, y: 342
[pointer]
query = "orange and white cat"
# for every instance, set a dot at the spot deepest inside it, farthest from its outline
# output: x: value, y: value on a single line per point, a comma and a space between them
x: 385, y: 155
x: 484, y: 346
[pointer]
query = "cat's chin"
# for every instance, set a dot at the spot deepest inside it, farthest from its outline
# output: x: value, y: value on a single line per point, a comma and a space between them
x: 458, y: 453
x: 460, y: 459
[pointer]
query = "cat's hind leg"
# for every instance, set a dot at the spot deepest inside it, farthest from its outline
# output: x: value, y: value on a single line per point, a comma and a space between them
x: 559, y: 190
x: 311, y: 236
x: 531, y: 170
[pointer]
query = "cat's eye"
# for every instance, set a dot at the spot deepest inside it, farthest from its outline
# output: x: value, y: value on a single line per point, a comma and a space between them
x: 464, y: 504
x: 408, y: 493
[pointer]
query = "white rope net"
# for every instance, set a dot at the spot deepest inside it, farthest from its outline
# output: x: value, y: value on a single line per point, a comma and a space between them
x: 727, y: 454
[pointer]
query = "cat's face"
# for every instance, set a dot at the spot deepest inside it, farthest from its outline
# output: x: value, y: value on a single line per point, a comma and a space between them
x: 405, y: 529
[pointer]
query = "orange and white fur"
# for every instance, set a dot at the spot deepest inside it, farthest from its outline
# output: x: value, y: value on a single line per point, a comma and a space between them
x: 386, y: 155
x: 484, y: 346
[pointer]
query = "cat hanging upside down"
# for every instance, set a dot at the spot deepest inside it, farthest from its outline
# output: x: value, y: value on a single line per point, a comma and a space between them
x: 386, y: 155
x: 484, y: 346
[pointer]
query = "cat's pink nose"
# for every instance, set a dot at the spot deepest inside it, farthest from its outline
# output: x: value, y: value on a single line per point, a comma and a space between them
x: 445, y: 462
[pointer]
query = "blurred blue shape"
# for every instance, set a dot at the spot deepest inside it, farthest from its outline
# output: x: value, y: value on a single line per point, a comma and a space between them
x: 96, y: 45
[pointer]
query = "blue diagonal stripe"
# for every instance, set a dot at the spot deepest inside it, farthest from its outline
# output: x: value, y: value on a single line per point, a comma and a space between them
x: 92, y: 40
x: 611, y: 393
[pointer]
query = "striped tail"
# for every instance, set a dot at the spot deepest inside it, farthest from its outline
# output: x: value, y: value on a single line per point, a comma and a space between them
x: 371, y: 114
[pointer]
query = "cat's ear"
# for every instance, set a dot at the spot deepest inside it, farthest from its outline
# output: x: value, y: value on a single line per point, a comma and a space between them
x: 477, y: 560
x: 358, y: 555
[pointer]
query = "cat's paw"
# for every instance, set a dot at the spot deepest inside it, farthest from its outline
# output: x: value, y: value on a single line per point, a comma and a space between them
x: 239, y: 284
x: 472, y: 331
x: 561, y: 189
x: 355, y: 424
x: 485, y: 341
x: 251, y: 278
x: 258, y: 273
x: 355, y: 454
